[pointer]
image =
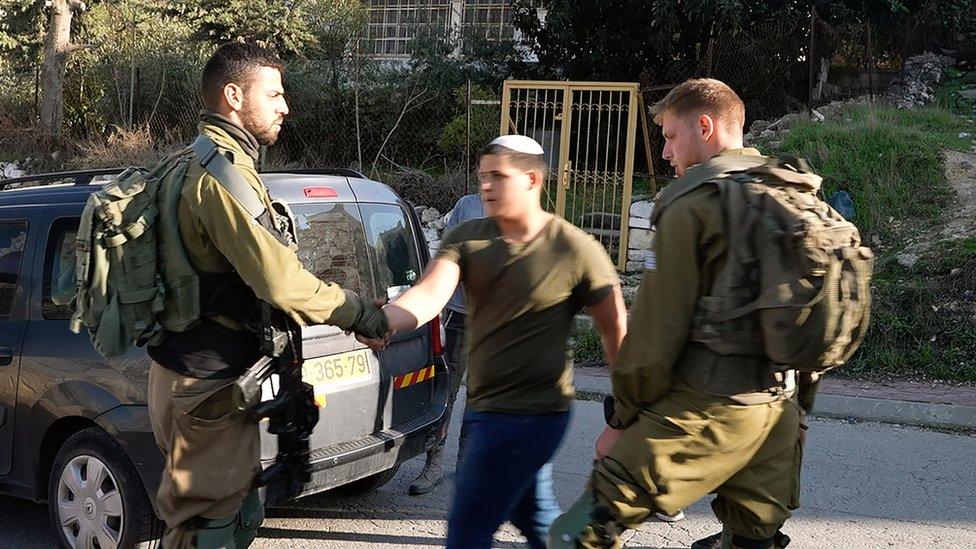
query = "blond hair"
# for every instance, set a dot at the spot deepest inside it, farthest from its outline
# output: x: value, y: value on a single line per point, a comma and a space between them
x: 703, y: 96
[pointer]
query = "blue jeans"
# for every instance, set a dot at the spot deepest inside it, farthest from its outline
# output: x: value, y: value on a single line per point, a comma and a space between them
x: 505, y: 474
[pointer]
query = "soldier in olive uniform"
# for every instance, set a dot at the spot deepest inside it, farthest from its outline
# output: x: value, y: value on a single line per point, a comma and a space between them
x: 684, y: 420
x: 211, y: 450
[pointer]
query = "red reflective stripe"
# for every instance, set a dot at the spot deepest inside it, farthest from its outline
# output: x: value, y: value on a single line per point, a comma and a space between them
x: 320, y: 192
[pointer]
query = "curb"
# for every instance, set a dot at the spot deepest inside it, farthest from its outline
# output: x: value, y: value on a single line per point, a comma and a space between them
x: 921, y: 414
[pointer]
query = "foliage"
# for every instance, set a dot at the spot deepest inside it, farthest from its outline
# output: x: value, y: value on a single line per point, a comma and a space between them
x: 924, y: 316
x: 586, y: 344
x: 484, y: 124
x: 290, y: 28
x: 621, y: 39
x: 21, y: 32
x: 888, y: 160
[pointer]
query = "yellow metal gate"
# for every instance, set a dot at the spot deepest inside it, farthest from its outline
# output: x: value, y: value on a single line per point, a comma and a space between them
x: 588, y: 131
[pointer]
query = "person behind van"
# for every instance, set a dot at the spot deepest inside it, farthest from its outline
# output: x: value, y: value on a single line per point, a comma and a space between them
x: 211, y: 450
x: 468, y: 207
x: 526, y: 273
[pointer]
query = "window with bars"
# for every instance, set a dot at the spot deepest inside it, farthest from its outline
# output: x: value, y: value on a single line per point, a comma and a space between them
x: 394, y: 24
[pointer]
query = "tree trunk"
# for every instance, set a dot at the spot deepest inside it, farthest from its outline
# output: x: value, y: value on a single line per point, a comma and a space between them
x: 57, y: 47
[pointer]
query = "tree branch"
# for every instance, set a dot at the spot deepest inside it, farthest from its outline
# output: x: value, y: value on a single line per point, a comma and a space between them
x: 71, y: 48
x: 406, y: 108
x: 162, y: 86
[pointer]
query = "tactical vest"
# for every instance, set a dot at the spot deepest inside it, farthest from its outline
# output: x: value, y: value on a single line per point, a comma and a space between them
x: 134, y: 280
x: 794, y: 291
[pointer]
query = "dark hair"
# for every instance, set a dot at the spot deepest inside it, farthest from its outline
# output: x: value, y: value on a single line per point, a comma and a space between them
x: 521, y: 160
x: 234, y: 62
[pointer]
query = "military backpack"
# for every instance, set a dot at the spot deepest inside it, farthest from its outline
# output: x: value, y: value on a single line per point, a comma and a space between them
x: 796, y: 284
x: 132, y: 275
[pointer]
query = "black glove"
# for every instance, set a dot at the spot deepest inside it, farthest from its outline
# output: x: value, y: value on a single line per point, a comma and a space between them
x: 371, y: 322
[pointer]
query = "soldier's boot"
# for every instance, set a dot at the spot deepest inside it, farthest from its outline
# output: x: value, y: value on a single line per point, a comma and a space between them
x: 215, y: 533
x: 585, y: 525
x: 432, y: 475
x: 236, y: 532
x: 727, y: 540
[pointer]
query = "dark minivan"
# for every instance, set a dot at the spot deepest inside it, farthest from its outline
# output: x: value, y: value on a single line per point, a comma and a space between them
x: 74, y: 428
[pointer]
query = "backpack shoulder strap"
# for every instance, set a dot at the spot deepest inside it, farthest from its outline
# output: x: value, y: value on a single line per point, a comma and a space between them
x: 789, y: 170
x: 703, y: 174
x: 227, y: 175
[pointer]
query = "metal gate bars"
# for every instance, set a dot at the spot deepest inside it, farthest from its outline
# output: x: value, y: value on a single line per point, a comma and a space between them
x: 588, y: 130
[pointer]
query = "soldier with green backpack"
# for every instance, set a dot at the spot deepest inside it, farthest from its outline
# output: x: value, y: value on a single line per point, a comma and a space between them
x: 752, y: 289
x: 180, y: 258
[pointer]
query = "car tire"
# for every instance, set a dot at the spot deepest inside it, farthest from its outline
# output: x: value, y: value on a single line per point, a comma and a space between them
x: 111, y: 510
x: 368, y: 484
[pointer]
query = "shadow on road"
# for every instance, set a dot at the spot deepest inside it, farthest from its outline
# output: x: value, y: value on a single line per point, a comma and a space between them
x: 379, y: 539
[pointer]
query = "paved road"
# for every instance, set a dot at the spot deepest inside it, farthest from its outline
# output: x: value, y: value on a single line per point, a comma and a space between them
x: 867, y: 485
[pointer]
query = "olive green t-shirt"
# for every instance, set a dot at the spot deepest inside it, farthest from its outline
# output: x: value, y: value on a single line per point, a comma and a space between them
x: 521, y: 299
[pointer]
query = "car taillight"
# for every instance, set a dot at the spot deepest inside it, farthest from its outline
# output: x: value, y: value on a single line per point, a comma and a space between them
x: 320, y: 192
x: 436, y: 336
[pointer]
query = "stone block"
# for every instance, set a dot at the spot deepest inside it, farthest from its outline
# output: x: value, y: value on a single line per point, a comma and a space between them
x: 639, y: 239
x: 639, y: 222
x: 641, y: 208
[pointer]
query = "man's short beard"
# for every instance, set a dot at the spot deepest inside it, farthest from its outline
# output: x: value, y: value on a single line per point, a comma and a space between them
x: 265, y: 136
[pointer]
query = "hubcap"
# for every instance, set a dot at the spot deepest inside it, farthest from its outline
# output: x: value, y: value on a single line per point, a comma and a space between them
x: 89, y: 504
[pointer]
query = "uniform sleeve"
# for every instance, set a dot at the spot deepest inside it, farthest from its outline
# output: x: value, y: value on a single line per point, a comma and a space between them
x: 598, y: 276
x: 268, y: 267
x: 660, y: 319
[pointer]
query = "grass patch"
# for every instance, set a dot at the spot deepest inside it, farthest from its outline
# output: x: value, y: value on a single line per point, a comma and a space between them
x: 924, y: 318
x: 956, y: 80
x: 887, y: 159
x: 586, y: 344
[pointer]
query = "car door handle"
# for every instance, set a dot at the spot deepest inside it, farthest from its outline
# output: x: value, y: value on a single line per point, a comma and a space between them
x: 6, y: 356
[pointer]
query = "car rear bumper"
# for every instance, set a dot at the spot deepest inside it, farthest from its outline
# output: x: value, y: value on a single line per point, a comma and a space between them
x: 349, y: 461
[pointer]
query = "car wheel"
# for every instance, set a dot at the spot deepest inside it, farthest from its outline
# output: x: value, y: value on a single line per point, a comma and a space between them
x: 96, y: 498
x: 368, y: 484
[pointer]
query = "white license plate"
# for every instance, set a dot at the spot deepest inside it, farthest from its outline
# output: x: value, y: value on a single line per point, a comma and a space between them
x: 329, y: 370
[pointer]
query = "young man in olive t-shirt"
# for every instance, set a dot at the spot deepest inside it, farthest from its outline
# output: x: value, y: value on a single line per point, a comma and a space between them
x: 526, y: 273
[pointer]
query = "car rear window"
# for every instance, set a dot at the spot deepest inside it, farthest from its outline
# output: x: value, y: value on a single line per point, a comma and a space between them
x: 393, y: 246
x: 373, y: 256
x: 331, y: 245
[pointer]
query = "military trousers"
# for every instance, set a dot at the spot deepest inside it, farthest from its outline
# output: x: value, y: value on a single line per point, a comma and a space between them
x: 690, y: 444
x: 211, y: 453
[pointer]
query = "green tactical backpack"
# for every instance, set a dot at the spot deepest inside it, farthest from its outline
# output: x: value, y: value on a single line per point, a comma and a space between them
x: 796, y: 285
x: 133, y: 277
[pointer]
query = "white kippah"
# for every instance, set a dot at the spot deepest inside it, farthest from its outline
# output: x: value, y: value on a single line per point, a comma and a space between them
x: 519, y: 143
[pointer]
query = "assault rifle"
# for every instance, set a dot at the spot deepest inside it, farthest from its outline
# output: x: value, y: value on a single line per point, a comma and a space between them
x: 292, y: 413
